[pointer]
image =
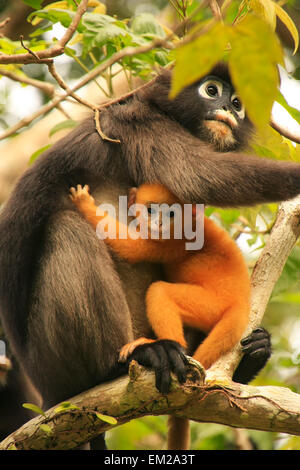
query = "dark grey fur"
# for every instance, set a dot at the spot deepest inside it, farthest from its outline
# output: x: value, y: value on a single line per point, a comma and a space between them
x: 63, y: 302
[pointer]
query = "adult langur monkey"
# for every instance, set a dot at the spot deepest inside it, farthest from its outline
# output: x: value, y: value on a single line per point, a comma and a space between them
x: 68, y: 305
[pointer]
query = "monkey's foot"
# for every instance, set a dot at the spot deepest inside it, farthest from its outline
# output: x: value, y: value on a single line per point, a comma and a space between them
x: 164, y: 356
x: 81, y: 194
x: 128, y: 348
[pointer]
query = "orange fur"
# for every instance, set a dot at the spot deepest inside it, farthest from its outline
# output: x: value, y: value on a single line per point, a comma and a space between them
x: 207, y: 289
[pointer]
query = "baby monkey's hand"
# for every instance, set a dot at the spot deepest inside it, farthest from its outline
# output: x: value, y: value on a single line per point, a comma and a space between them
x: 81, y: 194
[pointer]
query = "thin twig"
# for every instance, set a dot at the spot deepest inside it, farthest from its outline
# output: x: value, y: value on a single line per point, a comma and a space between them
x: 29, y: 50
x: 99, y: 130
x: 80, y: 100
x: 128, y: 51
x: 127, y: 94
x: 74, y: 24
x: 46, y: 87
x: 64, y: 86
x: 215, y: 9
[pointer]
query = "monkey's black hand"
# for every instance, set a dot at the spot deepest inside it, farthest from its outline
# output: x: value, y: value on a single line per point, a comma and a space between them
x: 163, y: 356
x: 257, y: 350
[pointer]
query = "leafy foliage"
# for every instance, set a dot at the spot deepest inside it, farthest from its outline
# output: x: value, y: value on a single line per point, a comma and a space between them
x: 103, y: 35
x: 251, y: 42
x: 247, y: 40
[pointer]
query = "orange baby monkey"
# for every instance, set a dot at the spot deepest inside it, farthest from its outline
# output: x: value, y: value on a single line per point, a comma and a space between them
x: 208, y: 288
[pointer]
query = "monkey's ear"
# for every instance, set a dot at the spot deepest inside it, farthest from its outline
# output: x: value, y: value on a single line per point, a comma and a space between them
x: 132, y: 196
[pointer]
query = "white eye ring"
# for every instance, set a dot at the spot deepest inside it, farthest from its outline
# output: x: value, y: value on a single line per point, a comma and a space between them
x: 240, y: 112
x: 203, y: 89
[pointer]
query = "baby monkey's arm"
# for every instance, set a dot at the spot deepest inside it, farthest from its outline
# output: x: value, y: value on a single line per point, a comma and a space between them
x: 132, y: 249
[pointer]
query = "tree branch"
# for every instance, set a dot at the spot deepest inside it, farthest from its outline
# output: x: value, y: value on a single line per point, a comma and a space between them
x: 126, y: 52
x: 64, y: 86
x: 266, y: 272
x: 47, y: 88
x: 266, y: 408
x: 285, y: 131
x: 215, y: 9
x: 47, y: 54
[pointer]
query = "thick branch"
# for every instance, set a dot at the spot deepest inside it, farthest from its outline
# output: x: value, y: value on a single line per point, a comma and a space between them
x: 265, y: 408
x: 285, y: 131
x: 266, y: 273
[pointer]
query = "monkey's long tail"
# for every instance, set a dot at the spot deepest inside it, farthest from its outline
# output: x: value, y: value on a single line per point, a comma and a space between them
x: 179, y: 433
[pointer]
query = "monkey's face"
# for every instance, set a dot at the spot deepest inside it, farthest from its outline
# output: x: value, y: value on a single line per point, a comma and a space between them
x: 223, y: 114
x: 157, y: 209
x: 160, y: 220
x: 211, y: 110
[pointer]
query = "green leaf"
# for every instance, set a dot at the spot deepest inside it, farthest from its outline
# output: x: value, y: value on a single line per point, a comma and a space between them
x: 12, y: 447
x: 263, y: 151
x: 290, y: 297
x: 253, y: 67
x: 107, y: 419
x: 69, y: 123
x: 35, y: 408
x: 37, y: 153
x: 36, y: 4
x: 198, y: 57
x: 104, y: 35
x: 46, y: 428
x: 99, y: 30
x: 284, y: 17
x: 295, y: 113
x: 40, y: 31
x: 228, y: 216
x: 66, y: 406
x: 55, y: 15
x: 209, y: 211
x: 266, y: 10
x: 94, y: 21
x: 146, y: 24
x: 10, y: 47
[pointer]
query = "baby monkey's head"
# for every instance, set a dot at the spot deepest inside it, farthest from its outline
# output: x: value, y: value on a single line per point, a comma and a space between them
x: 158, y: 210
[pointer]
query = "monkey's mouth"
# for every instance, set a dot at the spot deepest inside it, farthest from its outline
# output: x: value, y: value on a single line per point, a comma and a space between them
x: 219, y: 133
x: 224, y: 117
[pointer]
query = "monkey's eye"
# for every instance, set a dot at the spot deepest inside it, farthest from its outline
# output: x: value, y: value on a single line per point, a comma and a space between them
x: 238, y: 106
x: 210, y: 89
